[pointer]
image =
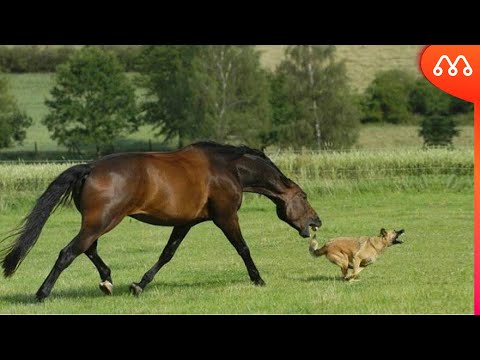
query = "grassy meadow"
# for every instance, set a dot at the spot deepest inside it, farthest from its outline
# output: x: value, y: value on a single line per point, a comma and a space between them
x: 428, y: 193
x: 431, y: 273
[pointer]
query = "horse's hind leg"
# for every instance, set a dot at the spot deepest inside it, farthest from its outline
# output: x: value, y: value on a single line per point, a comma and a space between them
x: 106, y: 285
x: 77, y: 246
x: 176, y: 238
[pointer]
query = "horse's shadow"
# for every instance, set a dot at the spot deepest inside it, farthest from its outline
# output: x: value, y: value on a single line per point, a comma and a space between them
x: 120, y: 289
x: 29, y: 298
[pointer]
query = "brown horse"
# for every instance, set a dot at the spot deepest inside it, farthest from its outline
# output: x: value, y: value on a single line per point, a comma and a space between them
x: 200, y: 182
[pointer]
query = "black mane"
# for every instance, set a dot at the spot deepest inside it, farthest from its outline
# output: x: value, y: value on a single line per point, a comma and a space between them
x: 238, y: 151
x: 230, y: 149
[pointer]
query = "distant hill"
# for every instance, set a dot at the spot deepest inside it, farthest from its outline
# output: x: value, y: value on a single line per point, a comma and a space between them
x: 363, y: 61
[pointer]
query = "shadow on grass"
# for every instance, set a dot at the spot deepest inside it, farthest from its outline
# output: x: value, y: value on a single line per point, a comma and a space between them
x: 316, y: 278
x: 29, y: 298
x: 119, y: 290
x: 201, y: 284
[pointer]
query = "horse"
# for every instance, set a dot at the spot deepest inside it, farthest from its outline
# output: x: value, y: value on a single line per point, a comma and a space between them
x: 200, y: 182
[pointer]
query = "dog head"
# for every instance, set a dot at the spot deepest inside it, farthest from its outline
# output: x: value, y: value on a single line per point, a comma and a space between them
x: 392, y: 236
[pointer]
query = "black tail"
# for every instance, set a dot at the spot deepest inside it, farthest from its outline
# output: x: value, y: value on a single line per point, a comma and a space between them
x: 58, y: 192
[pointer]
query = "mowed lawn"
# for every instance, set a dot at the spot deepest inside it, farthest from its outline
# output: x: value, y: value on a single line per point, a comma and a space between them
x: 432, y: 272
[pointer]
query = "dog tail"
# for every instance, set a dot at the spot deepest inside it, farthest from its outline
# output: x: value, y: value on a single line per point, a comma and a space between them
x: 314, y: 250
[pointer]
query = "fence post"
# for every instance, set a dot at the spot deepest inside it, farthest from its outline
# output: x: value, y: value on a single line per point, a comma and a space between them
x: 149, y: 144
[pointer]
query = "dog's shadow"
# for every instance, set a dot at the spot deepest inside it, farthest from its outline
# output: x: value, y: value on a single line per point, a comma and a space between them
x: 316, y: 278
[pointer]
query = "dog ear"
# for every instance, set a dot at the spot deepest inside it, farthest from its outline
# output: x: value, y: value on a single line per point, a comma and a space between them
x: 383, y: 232
x: 400, y: 231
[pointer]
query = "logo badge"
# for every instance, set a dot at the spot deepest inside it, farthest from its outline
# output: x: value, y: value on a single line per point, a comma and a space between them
x: 454, y: 69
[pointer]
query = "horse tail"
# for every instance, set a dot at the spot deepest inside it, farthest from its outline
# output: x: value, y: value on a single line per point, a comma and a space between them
x: 58, y: 192
x: 315, y: 251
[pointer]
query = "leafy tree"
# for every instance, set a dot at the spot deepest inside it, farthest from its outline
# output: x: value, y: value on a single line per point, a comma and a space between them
x: 312, y: 102
x: 13, y: 121
x: 438, y: 130
x: 92, y: 102
x: 231, y: 91
x: 437, y: 108
x: 165, y: 75
x: 387, y: 98
x: 427, y: 99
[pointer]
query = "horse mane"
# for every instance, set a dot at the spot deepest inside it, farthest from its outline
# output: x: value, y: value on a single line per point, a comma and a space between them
x: 239, y: 151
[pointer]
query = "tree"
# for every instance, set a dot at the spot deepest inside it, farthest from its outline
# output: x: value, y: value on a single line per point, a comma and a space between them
x: 438, y: 130
x: 312, y: 102
x: 426, y: 99
x: 437, y: 108
x: 13, y: 121
x: 232, y: 92
x: 92, y: 102
x: 165, y: 75
x: 387, y: 98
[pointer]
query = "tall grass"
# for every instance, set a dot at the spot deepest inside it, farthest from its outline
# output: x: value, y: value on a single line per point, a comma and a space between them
x: 362, y: 171
x: 324, y: 172
x: 359, y: 164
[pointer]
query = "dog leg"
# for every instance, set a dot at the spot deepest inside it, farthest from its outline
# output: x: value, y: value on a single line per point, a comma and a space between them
x: 356, y: 269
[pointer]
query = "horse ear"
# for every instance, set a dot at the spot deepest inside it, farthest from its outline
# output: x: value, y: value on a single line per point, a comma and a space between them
x: 383, y: 232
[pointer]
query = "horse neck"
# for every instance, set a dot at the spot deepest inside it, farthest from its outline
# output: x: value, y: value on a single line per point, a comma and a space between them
x: 258, y: 176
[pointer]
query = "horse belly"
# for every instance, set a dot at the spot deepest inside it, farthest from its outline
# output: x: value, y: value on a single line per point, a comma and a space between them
x: 174, y: 207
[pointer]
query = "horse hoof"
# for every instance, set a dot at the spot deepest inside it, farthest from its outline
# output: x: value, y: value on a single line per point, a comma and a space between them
x: 135, y: 289
x: 106, y: 287
x: 39, y: 297
x: 259, y: 282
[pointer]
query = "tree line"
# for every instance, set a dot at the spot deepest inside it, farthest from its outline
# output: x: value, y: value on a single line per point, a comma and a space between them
x: 222, y: 93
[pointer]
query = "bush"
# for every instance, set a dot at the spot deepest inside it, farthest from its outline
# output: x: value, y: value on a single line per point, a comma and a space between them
x: 33, y: 58
x: 128, y: 55
x: 438, y: 130
x: 427, y: 99
x: 37, y: 59
x: 387, y: 98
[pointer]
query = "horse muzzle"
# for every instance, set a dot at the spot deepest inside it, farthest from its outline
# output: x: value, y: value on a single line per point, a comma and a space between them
x: 315, y: 224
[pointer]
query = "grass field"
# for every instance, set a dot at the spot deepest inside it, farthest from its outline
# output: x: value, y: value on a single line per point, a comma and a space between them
x: 429, y: 193
x: 432, y: 272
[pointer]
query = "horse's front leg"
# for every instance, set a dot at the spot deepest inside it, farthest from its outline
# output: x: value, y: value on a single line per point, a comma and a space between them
x: 176, y: 238
x: 231, y: 229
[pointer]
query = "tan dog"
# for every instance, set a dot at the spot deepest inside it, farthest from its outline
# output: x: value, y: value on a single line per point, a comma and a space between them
x: 355, y: 253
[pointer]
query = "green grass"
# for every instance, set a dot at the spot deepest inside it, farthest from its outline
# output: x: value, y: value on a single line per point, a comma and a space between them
x: 432, y: 272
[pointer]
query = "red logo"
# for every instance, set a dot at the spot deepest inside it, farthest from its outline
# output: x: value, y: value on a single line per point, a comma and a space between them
x: 454, y: 69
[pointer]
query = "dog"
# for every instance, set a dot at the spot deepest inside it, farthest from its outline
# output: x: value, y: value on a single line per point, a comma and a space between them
x: 355, y: 253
